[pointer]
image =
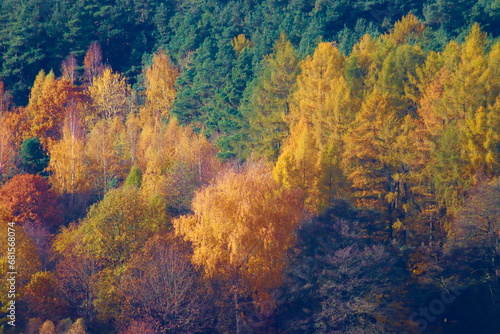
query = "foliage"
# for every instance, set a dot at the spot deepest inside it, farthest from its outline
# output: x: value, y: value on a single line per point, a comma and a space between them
x: 378, y: 126
x: 33, y: 157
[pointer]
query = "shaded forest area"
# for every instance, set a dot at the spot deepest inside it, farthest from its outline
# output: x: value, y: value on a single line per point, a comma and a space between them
x: 251, y: 166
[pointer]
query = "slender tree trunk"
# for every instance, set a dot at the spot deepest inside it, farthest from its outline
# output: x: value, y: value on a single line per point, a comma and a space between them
x: 236, y: 309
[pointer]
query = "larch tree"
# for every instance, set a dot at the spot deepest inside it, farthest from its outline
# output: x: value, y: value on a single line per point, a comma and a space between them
x: 322, y: 99
x: 298, y: 166
x: 368, y: 159
x: 266, y: 100
x: 314, y: 98
x: 241, y: 228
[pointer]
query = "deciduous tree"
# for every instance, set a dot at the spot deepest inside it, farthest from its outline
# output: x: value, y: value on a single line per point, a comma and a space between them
x: 267, y: 100
x: 111, y: 96
x: 160, y: 92
x: 161, y: 285
x: 241, y: 228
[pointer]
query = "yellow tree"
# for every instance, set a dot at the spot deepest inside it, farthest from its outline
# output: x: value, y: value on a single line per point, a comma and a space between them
x: 67, y: 156
x: 8, y: 148
x: 107, y: 153
x: 468, y: 85
x: 241, y: 229
x: 46, y: 107
x: 27, y: 259
x: 359, y: 66
x: 156, y: 151
x: 111, y: 96
x: 407, y: 30
x: 368, y: 160
x: 298, y: 165
x: 175, y: 161
x: 160, y: 90
x: 114, y: 229
x: 323, y: 100
x: 315, y: 98
x: 269, y: 100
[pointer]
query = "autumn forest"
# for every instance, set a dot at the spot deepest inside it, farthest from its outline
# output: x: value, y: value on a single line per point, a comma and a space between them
x: 254, y: 166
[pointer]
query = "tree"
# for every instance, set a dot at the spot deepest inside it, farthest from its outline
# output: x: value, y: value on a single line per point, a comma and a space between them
x: 322, y: 100
x: 160, y: 92
x: 176, y: 161
x: 76, y: 272
x: 27, y: 262
x: 7, y: 145
x: 341, y: 280
x: 241, y: 228
x: 46, y: 106
x: 134, y: 178
x: 92, y: 253
x: 473, y: 238
x: 48, y: 328
x: 69, y: 67
x: 31, y: 202
x: 267, y: 101
x: 120, y: 224
x: 315, y: 98
x: 43, y: 297
x: 67, y: 162
x: 139, y: 327
x: 161, y: 285
x: 107, y: 154
x: 367, y: 156
x: 33, y: 157
x: 78, y: 327
x: 298, y: 165
x: 476, y: 230
x: 111, y: 96
x: 29, y: 199
x: 92, y: 63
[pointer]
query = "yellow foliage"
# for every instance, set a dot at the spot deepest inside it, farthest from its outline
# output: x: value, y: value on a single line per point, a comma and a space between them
x: 111, y: 96
x: 298, y: 166
x: 160, y: 92
x: 409, y: 27
x: 240, y: 43
x: 107, y: 153
x: 242, y: 226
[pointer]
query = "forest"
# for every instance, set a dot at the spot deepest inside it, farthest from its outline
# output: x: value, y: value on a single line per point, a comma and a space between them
x: 253, y: 166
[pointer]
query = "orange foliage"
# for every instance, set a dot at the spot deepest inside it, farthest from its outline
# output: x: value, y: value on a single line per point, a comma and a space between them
x: 242, y: 226
x: 29, y: 199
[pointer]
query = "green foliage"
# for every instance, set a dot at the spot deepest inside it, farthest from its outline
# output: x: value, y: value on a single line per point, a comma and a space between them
x: 33, y: 157
x: 392, y: 107
x: 267, y: 101
x: 134, y: 178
